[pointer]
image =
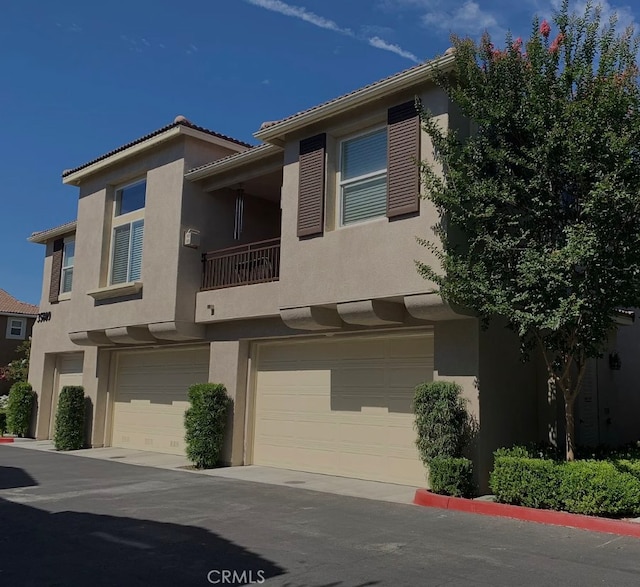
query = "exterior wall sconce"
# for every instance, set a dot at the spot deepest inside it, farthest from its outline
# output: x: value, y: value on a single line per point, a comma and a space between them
x: 615, y: 364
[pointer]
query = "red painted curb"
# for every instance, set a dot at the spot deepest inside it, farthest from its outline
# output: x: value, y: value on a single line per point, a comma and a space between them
x: 5, y: 440
x: 488, y: 508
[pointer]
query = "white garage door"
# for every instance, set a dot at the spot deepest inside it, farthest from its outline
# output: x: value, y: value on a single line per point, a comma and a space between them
x: 69, y: 368
x: 151, y: 397
x: 342, y: 406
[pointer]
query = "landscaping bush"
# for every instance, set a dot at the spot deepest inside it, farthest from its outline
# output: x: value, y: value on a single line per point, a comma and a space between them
x: 69, y: 431
x: 521, y: 480
x: 442, y: 421
x: 599, y: 488
x: 602, y: 488
x: 204, y: 422
x: 3, y: 422
x: 451, y: 476
x: 19, y: 408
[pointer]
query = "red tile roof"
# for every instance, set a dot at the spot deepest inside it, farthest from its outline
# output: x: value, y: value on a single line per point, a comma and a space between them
x: 180, y: 121
x: 9, y: 305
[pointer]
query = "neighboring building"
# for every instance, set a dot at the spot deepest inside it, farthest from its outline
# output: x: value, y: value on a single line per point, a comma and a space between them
x: 285, y: 271
x: 16, y: 321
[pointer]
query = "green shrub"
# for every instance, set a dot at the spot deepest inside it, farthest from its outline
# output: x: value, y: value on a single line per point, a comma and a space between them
x: 442, y: 421
x: 204, y: 422
x: 599, y: 488
x: 602, y: 488
x: 3, y: 422
x: 451, y: 476
x: 69, y: 431
x: 20, y: 408
x: 521, y: 480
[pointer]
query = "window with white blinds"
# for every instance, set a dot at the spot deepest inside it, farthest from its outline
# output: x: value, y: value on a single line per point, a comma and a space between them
x: 126, y: 261
x: 363, y: 177
x: 68, y: 256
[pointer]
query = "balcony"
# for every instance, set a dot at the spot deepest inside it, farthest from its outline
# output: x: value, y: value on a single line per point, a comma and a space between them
x: 257, y: 262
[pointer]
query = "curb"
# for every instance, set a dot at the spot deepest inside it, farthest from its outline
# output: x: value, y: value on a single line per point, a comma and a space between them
x: 551, y: 517
x: 5, y: 440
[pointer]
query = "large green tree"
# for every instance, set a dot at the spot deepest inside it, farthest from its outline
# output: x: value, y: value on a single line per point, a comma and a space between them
x: 546, y: 190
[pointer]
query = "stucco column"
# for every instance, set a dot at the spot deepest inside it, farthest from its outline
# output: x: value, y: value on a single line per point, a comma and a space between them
x: 42, y: 368
x: 95, y: 380
x: 228, y: 365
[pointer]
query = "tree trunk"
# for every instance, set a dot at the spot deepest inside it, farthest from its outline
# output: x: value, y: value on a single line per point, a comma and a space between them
x: 569, y: 403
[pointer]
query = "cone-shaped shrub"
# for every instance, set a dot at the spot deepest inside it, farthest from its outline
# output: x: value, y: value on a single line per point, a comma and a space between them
x: 69, y: 433
x: 204, y: 422
x: 19, y: 408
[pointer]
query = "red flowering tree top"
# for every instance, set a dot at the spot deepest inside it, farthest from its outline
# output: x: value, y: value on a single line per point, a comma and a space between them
x: 546, y: 189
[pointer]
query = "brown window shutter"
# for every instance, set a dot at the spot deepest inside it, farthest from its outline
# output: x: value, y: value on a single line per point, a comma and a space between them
x: 311, y: 186
x: 56, y: 270
x: 403, y: 154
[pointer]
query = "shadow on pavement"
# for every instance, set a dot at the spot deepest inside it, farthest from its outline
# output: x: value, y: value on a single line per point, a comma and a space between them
x: 69, y: 549
x: 13, y: 478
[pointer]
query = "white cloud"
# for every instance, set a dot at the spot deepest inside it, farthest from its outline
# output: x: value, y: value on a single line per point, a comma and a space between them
x: 469, y: 18
x: 302, y: 13
x: 379, y: 43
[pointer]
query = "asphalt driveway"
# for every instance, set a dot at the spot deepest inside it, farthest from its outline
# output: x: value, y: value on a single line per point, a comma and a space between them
x: 68, y: 521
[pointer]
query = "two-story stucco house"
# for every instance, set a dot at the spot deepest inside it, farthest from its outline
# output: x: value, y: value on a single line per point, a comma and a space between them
x: 16, y: 322
x: 285, y: 271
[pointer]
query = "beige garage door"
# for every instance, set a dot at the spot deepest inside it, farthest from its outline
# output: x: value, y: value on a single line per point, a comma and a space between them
x: 151, y: 397
x: 69, y: 369
x: 341, y: 406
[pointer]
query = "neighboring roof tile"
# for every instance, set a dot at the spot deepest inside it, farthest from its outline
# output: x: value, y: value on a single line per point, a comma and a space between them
x: 9, y: 305
x: 44, y: 235
x: 179, y: 121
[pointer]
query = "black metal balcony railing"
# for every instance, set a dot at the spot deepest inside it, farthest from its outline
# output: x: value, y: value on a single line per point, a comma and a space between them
x: 253, y: 263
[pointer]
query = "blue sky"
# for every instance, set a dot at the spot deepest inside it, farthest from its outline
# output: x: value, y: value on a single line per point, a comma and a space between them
x: 81, y: 78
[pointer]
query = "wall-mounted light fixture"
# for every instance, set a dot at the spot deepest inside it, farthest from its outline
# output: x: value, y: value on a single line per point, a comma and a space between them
x: 615, y: 364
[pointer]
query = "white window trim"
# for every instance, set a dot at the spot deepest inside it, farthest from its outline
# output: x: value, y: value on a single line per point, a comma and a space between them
x: 23, y: 328
x: 120, y: 220
x: 341, y: 184
x: 66, y: 294
x: 113, y: 230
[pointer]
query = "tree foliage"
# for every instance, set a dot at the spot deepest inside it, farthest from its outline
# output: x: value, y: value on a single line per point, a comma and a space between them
x: 18, y: 369
x: 546, y: 189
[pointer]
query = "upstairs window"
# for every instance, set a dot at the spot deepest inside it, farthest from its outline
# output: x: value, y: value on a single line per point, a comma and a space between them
x: 131, y: 198
x: 68, y: 255
x: 16, y: 328
x: 363, y: 177
x: 128, y: 233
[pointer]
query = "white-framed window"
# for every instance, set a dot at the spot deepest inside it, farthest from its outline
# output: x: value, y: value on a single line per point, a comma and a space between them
x: 131, y: 197
x: 68, y: 255
x: 363, y: 177
x: 128, y: 233
x: 16, y: 328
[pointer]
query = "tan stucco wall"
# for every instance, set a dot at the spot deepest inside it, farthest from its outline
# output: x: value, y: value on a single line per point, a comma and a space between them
x: 619, y: 391
x: 373, y: 259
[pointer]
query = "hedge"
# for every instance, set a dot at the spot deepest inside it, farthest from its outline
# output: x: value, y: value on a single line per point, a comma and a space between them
x: 69, y: 431
x: 20, y: 408
x: 451, y: 476
x: 3, y: 422
x: 602, y: 488
x: 204, y: 422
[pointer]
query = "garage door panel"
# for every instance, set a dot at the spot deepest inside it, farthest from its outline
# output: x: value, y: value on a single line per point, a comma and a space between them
x: 151, y: 397
x: 342, y: 407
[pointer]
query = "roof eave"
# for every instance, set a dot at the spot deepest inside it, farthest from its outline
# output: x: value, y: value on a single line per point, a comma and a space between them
x: 233, y: 162
x: 42, y: 237
x: 275, y: 133
x: 77, y: 176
